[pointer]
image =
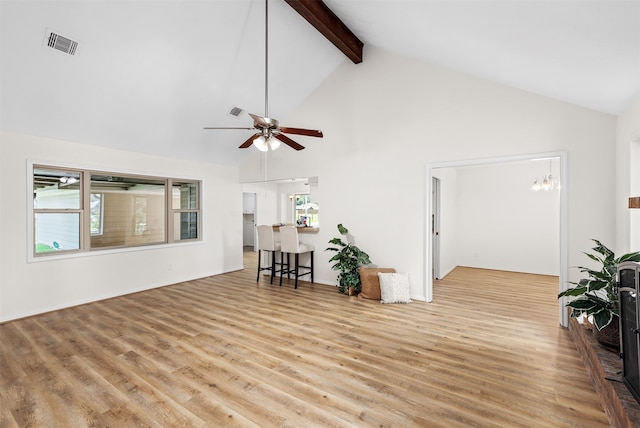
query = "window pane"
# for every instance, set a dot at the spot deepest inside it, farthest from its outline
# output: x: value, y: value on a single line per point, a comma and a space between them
x: 133, y: 211
x: 96, y: 213
x: 184, y: 196
x: 56, y: 189
x: 185, y: 226
x: 306, y: 212
x: 56, y: 232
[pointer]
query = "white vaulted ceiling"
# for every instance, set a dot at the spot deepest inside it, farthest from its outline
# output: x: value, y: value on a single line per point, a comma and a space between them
x: 149, y: 75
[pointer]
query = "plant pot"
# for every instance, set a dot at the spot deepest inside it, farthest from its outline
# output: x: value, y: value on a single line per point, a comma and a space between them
x: 609, y: 336
x: 350, y: 291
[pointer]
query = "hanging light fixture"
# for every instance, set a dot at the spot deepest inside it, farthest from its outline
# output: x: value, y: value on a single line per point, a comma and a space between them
x: 548, y: 182
x: 536, y: 185
x: 274, y: 143
x: 264, y: 143
x: 261, y: 143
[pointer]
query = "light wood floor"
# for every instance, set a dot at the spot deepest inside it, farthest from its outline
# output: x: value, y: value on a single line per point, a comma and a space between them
x: 225, y: 351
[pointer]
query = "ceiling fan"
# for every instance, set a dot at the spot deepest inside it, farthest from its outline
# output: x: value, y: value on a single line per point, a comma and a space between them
x: 270, y: 133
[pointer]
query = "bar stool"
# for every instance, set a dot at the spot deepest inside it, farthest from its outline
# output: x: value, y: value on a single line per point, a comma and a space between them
x: 267, y: 243
x: 290, y: 244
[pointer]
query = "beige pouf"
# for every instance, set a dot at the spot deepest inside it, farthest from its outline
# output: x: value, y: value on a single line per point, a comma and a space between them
x: 370, y: 282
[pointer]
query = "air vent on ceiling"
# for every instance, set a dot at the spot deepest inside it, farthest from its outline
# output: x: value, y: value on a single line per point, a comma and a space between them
x: 235, y: 111
x: 63, y: 44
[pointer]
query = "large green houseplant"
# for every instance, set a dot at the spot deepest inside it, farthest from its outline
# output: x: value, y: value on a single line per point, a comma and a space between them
x: 597, y: 295
x: 347, y: 260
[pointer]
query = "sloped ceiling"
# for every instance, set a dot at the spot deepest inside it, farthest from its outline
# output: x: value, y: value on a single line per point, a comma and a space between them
x: 149, y: 75
x: 583, y: 52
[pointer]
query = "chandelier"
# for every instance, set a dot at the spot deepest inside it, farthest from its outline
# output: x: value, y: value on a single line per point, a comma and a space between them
x: 547, y: 182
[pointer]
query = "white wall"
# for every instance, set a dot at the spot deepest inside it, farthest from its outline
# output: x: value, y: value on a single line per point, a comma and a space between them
x: 30, y: 288
x: 634, y: 190
x: 502, y: 223
x: 627, y: 178
x: 385, y: 119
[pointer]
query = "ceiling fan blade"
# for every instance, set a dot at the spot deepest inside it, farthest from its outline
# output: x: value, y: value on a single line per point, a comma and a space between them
x: 249, y: 141
x: 222, y: 127
x: 300, y: 131
x: 288, y: 141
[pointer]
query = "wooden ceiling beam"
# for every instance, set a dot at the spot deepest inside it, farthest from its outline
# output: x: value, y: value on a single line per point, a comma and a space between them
x: 329, y: 25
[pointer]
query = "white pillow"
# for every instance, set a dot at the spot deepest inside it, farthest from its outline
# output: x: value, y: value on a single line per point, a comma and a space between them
x: 394, y: 287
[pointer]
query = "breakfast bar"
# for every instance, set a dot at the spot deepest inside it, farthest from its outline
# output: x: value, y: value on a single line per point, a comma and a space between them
x: 306, y: 230
x: 301, y: 229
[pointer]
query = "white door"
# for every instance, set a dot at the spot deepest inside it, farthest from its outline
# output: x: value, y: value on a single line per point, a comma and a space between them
x: 248, y: 230
x: 248, y: 219
x: 435, y: 228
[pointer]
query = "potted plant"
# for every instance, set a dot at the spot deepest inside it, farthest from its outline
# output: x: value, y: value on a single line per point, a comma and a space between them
x: 597, y: 296
x: 348, y: 259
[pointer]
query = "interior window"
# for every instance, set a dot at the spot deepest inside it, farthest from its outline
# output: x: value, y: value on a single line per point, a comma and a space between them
x: 120, y: 210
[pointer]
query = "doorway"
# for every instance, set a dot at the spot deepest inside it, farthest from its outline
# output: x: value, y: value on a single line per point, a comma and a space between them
x: 249, y: 220
x: 434, y: 195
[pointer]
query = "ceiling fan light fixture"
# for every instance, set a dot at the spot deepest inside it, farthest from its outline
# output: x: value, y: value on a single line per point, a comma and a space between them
x: 265, y: 144
x: 274, y: 143
x: 68, y: 180
x: 261, y: 143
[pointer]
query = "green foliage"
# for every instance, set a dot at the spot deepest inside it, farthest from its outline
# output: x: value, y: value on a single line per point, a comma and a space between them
x: 347, y: 260
x: 42, y: 248
x: 597, y: 295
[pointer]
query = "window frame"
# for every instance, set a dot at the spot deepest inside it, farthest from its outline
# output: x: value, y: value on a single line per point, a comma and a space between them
x: 84, y: 212
x: 39, y: 210
x: 196, y: 210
